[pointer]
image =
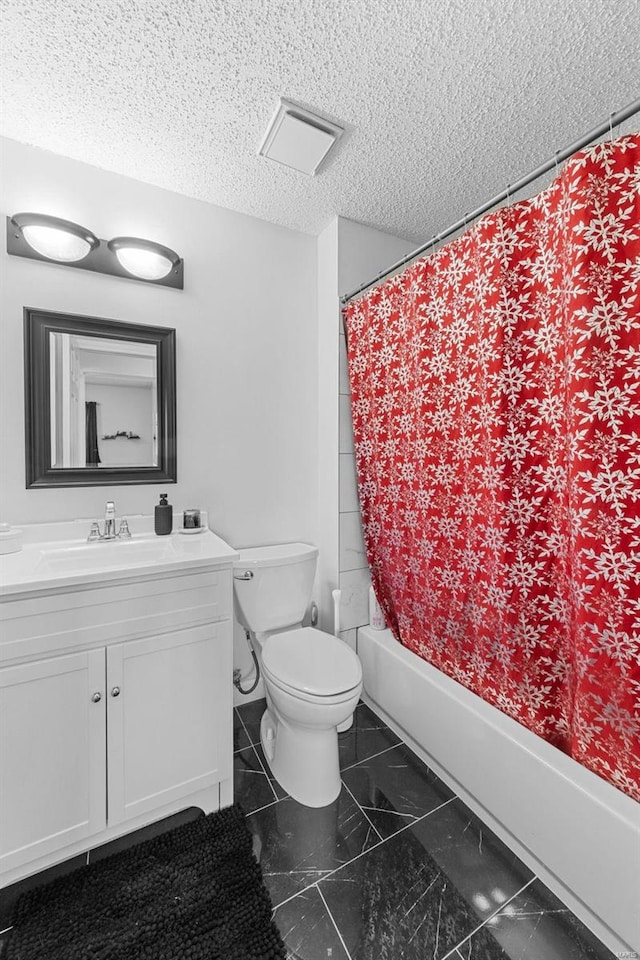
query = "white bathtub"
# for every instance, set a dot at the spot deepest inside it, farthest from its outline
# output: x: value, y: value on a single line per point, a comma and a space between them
x: 579, y: 834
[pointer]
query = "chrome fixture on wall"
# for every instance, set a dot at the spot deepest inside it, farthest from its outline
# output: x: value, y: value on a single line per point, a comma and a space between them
x: 54, y: 240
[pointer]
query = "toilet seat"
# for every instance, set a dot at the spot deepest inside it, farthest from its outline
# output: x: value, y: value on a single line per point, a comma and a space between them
x: 302, y: 695
x: 311, y: 664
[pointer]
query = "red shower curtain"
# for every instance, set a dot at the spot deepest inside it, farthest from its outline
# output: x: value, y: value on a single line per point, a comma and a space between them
x: 496, y: 406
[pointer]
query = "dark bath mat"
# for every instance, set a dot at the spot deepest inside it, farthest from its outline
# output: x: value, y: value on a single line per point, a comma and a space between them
x: 193, y: 892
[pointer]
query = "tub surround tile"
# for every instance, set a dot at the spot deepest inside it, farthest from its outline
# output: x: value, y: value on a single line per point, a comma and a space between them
x: 354, y: 600
x: 396, y: 788
x: 299, y: 845
x: 307, y: 928
x: 345, y: 386
x: 345, y: 427
x: 351, y: 638
x: 348, y: 486
x: 353, y: 555
x: 534, y: 925
x: 368, y: 736
x: 251, y: 785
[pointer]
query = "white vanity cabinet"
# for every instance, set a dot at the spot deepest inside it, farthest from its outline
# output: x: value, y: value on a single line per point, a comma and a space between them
x: 115, y: 709
x: 163, y: 698
x: 53, y: 771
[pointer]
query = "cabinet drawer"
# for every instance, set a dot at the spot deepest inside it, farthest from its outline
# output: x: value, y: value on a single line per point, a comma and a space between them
x: 99, y: 615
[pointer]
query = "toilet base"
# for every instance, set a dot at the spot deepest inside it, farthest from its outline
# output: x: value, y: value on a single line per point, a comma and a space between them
x: 304, y: 760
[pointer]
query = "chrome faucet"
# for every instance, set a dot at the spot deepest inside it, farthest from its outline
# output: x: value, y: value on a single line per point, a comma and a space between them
x: 109, y: 521
x: 109, y: 526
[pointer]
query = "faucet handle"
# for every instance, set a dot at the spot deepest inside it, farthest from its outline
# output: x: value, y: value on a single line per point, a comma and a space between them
x: 94, y: 533
x: 124, y: 533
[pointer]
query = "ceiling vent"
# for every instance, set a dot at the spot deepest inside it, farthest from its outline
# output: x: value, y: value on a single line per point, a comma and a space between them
x: 298, y: 138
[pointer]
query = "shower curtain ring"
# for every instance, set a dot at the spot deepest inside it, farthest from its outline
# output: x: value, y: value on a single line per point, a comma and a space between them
x: 611, y: 116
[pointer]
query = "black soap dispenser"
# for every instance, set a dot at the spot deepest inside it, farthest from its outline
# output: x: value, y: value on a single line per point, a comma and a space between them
x: 164, y: 516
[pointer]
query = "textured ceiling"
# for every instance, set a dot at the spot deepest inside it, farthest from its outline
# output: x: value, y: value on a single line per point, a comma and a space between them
x: 444, y: 102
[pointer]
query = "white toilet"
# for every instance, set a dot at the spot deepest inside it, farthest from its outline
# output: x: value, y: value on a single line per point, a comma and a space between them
x: 313, y: 680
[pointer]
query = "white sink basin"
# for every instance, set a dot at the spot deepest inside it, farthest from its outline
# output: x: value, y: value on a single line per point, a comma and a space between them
x: 57, y: 562
x: 109, y: 555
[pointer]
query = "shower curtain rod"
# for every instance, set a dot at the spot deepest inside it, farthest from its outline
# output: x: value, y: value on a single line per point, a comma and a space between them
x: 560, y: 155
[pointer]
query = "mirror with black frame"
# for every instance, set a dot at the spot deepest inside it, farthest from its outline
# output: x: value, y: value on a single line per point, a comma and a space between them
x: 100, y: 401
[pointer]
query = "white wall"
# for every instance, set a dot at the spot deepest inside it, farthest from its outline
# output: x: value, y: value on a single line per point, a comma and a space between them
x: 349, y: 254
x: 246, y: 333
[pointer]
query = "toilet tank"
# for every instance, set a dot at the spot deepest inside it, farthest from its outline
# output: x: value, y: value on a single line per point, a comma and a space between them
x: 272, y: 585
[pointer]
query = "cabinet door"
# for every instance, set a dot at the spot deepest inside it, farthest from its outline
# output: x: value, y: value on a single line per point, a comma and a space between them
x: 52, y: 755
x: 169, y: 717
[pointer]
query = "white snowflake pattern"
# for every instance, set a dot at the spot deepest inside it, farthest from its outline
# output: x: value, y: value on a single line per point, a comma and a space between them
x: 496, y: 397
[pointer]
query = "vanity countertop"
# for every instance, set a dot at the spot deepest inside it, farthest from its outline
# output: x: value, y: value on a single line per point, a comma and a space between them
x: 61, y: 560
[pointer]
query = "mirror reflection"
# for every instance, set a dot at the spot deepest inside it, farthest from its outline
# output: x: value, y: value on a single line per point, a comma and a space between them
x: 100, y: 401
x: 103, y: 402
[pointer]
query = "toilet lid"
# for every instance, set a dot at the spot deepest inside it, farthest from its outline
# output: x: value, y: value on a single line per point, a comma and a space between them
x: 313, y: 661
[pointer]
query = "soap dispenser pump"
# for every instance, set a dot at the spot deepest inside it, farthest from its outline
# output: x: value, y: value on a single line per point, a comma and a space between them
x: 164, y: 516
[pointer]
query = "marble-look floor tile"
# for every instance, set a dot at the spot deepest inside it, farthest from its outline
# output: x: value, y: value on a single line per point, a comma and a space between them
x: 535, y: 925
x: 279, y: 791
x: 368, y: 736
x: 251, y: 715
x: 395, y: 788
x: 251, y: 787
x: 421, y: 892
x: 240, y: 736
x: 307, y: 929
x: 298, y: 845
x: 472, y: 856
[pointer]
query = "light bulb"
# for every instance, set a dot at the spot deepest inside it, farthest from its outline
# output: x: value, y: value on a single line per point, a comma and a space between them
x: 146, y: 264
x: 144, y: 258
x: 55, y: 243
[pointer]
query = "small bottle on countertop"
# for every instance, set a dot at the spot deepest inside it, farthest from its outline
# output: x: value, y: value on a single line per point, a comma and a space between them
x: 164, y: 516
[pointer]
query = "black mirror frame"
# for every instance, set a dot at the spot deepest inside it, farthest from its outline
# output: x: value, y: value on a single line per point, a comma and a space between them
x: 38, y: 324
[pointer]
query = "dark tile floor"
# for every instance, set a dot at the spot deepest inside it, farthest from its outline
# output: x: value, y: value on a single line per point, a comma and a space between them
x: 398, y: 868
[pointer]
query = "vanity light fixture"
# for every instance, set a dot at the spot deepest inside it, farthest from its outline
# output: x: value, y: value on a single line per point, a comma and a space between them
x: 37, y: 236
x: 54, y: 238
x: 144, y: 258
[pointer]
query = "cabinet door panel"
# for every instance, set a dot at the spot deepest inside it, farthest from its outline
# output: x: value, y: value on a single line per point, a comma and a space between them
x: 167, y: 725
x: 52, y: 755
